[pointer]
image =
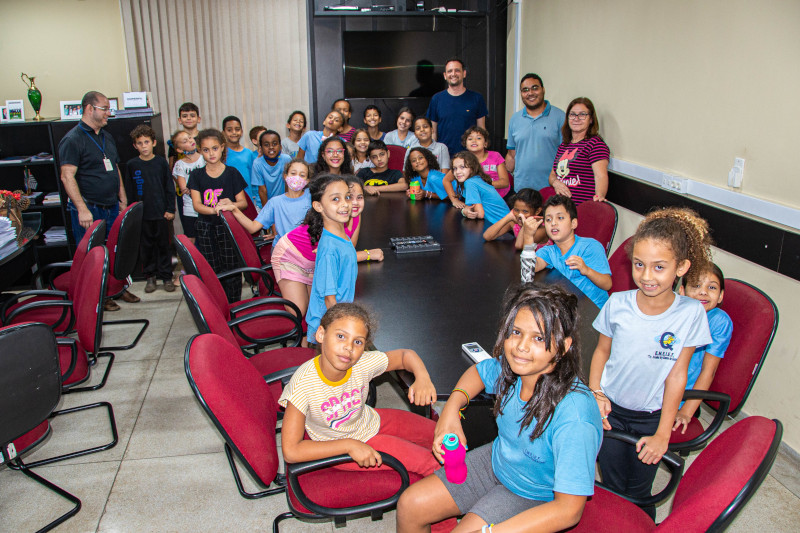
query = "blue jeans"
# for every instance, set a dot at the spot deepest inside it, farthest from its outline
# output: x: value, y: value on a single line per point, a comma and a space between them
x: 109, y: 214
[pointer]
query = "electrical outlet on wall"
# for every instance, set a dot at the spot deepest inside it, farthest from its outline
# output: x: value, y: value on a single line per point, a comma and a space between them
x: 736, y: 173
x: 676, y: 184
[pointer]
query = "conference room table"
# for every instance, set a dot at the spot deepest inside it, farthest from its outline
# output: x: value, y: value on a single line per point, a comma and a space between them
x: 433, y: 302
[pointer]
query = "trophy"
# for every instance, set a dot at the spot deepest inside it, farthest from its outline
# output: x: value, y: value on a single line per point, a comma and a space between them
x: 34, y: 95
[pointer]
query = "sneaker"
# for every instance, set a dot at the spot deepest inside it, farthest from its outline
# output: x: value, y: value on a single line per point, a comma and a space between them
x: 110, y: 305
x: 151, y: 285
x: 129, y: 297
x: 169, y: 286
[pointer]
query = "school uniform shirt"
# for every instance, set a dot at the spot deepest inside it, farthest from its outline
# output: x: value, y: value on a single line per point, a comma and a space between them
x: 153, y: 186
x: 438, y: 150
x: 286, y: 213
x: 337, y: 409
x: 477, y: 191
x: 389, y: 176
x: 435, y: 184
x: 561, y: 459
x: 270, y: 176
x: 310, y: 143
x: 644, y: 348
x: 243, y: 162
x: 592, y: 253
x: 183, y: 168
x: 226, y: 185
x: 393, y: 138
x: 289, y: 147
x: 335, y: 274
x: 721, y: 328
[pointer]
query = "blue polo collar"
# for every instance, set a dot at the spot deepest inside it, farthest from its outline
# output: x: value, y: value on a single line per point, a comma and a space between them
x: 545, y: 113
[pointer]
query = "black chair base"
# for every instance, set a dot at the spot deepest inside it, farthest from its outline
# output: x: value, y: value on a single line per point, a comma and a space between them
x: 102, y: 383
x: 87, y: 451
x: 138, y: 336
x: 22, y: 467
x: 280, y: 480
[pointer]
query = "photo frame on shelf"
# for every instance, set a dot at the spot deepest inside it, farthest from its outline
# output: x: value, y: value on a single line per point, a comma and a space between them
x: 113, y: 103
x: 3, y: 114
x: 15, y: 110
x: 70, y: 109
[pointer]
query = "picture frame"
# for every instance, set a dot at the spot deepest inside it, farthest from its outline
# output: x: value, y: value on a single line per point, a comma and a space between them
x: 3, y: 114
x: 15, y: 110
x: 70, y: 109
x: 113, y: 103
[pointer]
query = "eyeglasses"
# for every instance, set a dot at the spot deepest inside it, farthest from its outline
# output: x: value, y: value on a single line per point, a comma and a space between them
x: 578, y: 116
x: 526, y: 90
x: 101, y: 108
x: 334, y: 152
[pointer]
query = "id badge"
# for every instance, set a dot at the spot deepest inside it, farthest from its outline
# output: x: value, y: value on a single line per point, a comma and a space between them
x: 107, y: 163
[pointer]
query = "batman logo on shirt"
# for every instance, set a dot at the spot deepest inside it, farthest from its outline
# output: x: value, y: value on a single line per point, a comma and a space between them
x: 374, y: 182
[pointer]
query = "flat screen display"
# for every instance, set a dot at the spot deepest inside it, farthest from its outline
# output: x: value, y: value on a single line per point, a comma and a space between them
x: 396, y: 64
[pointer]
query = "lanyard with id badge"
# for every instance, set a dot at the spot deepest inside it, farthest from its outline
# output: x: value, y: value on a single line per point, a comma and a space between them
x: 106, y: 161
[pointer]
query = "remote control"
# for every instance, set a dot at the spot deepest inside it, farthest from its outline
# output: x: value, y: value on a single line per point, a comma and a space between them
x: 474, y: 351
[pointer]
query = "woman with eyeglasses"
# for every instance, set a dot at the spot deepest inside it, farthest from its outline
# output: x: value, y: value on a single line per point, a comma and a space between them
x: 580, y: 169
x: 333, y: 158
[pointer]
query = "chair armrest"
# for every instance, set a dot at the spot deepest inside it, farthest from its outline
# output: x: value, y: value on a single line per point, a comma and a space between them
x: 52, y: 269
x: 297, y: 330
x: 722, y: 412
x: 281, y: 375
x: 15, y: 298
x: 263, y: 241
x: 672, y: 461
x: 73, y: 349
x: 253, y: 270
x: 39, y: 304
x: 298, y: 469
x: 244, y: 306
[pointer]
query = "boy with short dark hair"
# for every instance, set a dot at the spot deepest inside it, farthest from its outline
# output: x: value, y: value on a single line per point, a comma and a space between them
x: 581, y: 260
x: 153, y: 186
x: 254, y: 134
x: 188, y: 118
x: 381, y: 177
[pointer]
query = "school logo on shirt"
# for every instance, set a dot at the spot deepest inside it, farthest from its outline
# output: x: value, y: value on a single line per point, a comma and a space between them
x: 666, y: 341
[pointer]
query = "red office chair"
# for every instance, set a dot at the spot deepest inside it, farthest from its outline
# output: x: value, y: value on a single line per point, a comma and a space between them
x: 621, y: 268
x: 29, y: 358
x: 715, y: 488
x: 249, y: 256
x: 123, y: 251
x: 253, y: 334
x: 208, y: 319
x: 237, y: 398
x: 597, y: 220
x: 61, y: 288
x: 546, y: 193
x: 397, y: 155
x: 251, y: 211
x: 79, y: 355
x: 755, y: 321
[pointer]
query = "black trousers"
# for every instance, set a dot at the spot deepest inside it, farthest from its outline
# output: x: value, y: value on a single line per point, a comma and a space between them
x: 619, y: 463
x: 218, y: 248
x: 154, y: 249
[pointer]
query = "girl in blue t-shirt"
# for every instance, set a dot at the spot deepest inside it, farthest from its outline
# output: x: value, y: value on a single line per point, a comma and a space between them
x: 421, y: 165
x: 336, y: 265
x: 709, y: 289
x: 647, y: 337
x: 285, y: 211
x: 481, y: 198
x: 333, y: 157
x: 541, y: 466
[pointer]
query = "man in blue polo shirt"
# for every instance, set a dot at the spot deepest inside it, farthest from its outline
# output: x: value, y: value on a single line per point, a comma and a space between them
x: 455, y: 109
x: 534, y: 134
x: 90, y: 174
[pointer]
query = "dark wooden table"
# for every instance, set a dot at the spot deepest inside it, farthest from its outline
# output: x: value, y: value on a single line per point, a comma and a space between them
x: 434, y: 302
x: 15, y: 262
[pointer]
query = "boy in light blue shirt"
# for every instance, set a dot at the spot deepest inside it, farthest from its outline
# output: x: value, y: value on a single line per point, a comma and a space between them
x: 581, y: 260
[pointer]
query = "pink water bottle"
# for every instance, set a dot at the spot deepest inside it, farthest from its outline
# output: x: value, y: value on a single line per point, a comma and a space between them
x: 455, y: 468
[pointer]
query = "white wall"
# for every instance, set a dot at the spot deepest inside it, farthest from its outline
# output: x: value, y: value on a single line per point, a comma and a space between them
x: 70, y: 46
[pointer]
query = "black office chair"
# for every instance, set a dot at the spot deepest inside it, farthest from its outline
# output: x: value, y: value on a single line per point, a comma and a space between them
x: 30, y: 387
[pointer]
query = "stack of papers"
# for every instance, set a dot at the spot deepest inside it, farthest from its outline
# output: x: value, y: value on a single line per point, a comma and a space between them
x: 55, y: 235
x: 52, y: 198
x: 8, y: 236
x: 135, y: 112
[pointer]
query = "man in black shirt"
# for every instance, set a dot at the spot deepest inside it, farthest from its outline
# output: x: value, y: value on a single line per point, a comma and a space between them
x: 90, y: 173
